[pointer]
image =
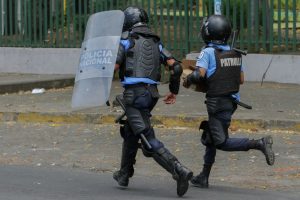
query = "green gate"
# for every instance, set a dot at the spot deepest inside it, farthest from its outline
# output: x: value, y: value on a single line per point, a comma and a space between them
x: 265, y: 25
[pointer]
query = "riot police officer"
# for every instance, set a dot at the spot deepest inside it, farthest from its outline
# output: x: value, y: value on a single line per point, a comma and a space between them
x: 140, y: 56
x: 219, y: 70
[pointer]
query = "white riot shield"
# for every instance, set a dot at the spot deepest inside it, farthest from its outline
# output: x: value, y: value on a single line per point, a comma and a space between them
x: 97, y: 59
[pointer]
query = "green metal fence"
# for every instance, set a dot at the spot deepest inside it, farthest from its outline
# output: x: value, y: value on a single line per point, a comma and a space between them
x: 265, y: 25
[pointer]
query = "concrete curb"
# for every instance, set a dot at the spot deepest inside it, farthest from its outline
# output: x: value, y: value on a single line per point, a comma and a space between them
x: 158, y: 120
x: 46, y: 84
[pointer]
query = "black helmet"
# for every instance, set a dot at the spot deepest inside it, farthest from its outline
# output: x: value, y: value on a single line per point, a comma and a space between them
x: 216, y: 29
x: 133, y: 16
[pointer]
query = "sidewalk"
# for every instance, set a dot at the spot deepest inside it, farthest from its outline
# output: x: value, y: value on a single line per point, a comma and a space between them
x: 12, y: 82
x: 275, y: 106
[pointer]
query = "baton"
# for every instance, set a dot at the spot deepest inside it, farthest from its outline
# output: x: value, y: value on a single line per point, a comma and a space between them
x: 234, y: 36
x: 244, y: 52
x: 242, y: 104
x: 123, y: 115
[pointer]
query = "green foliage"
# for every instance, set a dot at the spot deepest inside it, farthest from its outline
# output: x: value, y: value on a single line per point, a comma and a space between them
x: 289, y: 4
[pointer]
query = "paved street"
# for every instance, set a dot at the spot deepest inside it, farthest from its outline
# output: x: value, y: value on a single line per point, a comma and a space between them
x: 76, y: 161
x: 53, y: 149
x: 26, y: 183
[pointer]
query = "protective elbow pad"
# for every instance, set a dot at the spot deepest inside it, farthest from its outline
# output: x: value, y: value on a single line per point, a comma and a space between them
x: 176, y: 71
x: 195, y: 77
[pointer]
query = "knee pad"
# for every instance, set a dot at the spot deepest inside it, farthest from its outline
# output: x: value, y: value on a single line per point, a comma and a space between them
x: 155, y: 143
x: 154, y: 148
x: 146, y: 152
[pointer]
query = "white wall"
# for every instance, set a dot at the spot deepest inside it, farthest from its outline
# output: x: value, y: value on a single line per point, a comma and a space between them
x: 39, y: 60
x: 282, y: 69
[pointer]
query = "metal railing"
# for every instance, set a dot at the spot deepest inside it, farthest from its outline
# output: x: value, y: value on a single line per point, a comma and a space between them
x: 265, y: 25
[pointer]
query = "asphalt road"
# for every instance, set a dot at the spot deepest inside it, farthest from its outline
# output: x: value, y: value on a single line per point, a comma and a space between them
x: 30, y: 183
x: 76, y: 161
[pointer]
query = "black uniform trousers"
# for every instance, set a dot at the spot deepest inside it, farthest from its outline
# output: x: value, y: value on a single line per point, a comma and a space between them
x: 220, y: 111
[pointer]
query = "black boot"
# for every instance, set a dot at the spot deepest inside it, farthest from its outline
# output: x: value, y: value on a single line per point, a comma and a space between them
x: 128, y: 160
x: 265, y: 146
x: 201, y: 180
x: 180, y: 173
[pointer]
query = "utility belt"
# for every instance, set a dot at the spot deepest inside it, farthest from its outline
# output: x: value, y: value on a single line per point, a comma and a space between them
x: 234, y: 100
x: 217, y: 96
x: 138, y: 89
x: 138, y: 85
